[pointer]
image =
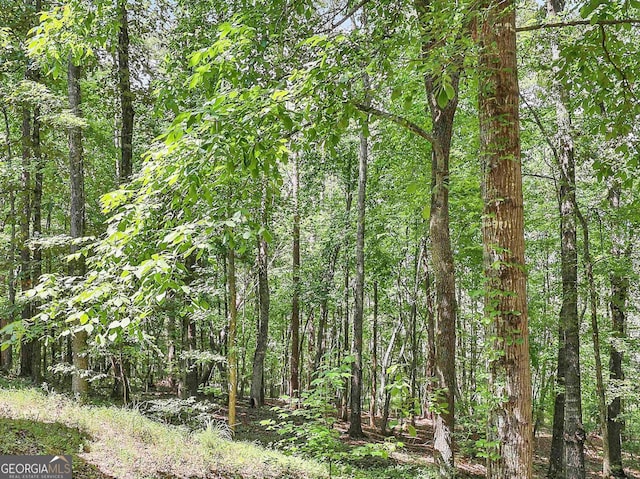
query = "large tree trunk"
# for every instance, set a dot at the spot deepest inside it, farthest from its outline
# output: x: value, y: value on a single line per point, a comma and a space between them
x: 294, y: 382
x: 232, y: 353
x: 573, y: 433
x: 257, y: 377
x: 125, y: 165
x: 355, y: 420
x: 441, y: 254
x: 618, y: 305
x: 503, y: 241
x: 79, y: 384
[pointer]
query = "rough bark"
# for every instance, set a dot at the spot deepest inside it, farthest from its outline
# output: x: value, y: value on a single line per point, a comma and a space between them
x: 125, y: 164
x: 355, y: 419
x: 79, y: 384
x: 503, y: 242
x: 257, y: 377
x: 618, y: 305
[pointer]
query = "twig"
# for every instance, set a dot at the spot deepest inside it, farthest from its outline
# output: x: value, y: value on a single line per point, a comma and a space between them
x: 575, y: 23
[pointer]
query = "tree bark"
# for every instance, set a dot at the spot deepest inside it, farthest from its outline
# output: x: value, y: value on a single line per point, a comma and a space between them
x: 503, y: 240
x: 294, y: 382
x: 36, y: 354
x: 355, y: 419
x: 374, y: 358
x: 79, y: 384
x: 6, y: 355
x: 257, y: 377
x: 125, y: 165
x: 231, y: 339
x: 26, y: 350
x: 441, y: 254
x: 618, y: 305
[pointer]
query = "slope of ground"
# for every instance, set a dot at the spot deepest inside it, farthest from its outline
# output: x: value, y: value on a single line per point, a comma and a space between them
x: 115, y: 442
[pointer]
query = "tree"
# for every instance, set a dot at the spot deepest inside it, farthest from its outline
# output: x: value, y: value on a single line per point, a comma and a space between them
x: 503, y: 241
x: 257, y: 377
x: 80, y: 384
x: 355, y: 419
x: 125, y: 163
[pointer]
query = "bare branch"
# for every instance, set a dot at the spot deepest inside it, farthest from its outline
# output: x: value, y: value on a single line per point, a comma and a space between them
x: 399, y: 120
x: 575, y: 23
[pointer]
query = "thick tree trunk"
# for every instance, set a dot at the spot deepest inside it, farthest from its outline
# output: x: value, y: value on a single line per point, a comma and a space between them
x: 573, y: 433
x: 441, y: 254
x: 257, y: 377
x: 294, y: 382
x: 503, y: 241
x: 125, y: 165
x: 79, y: 384
x: 232, y: 353
x: 355, y: 419
x: 618, y: 305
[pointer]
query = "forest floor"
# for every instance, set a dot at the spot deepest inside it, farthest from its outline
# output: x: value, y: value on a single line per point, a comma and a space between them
x: 112, y: 442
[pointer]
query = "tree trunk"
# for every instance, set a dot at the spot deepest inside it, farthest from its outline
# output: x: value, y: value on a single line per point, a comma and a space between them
x: 618, y: 305
x: 36, y: 353
x: 26, y: 350
x: 503, y: 241
x: 6, y: 355
x: 79, y: 384
x: 125, y: 165
x: 294, y: 382
x: 257, y: 377
x: 441, y: 254
x: 231, y: 338
x: 374, y: 358
x: 595, y: 335
x: 355, y: 420
x: 324, y: 306
x: 573, y: 433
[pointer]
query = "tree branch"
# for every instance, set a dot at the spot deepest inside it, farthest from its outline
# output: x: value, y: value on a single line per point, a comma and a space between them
x: 399, y: 120
x: 348, y: 14
x: 575, y: 23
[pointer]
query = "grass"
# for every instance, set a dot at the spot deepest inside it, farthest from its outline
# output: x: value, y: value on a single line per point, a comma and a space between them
x: 116, y: 442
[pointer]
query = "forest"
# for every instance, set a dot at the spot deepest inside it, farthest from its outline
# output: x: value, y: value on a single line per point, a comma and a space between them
x: 321, y: 238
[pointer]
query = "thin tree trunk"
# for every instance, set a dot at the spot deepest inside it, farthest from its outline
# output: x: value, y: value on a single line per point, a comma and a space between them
x: 79, y: 384
x: 595, y: 335
x: 618, y: 305
x: 257, y: 377
x: 324, y: 306
x: 374, y: 358
x: 36, y: 353
x: 503, y: 240
x: 355, y: 420
x: 125, y: 165
x: 6, y: 355
x: 231, y: 339
x: 26, y: 350
x: 294, y: 382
